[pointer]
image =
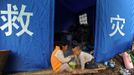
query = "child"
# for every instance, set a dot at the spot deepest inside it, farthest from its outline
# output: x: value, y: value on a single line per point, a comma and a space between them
x: 58, y: 61
x: 83, y: 56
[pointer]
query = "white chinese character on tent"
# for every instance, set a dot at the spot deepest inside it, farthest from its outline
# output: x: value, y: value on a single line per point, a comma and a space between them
x: 9, y: 16
x: 118, y: 26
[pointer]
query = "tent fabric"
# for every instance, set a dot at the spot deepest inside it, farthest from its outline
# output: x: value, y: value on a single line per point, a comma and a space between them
x: 30, y: 37
x: 114, y: 28
x: 67, y: 12
x: 64, y: 18
x: 79, y: 5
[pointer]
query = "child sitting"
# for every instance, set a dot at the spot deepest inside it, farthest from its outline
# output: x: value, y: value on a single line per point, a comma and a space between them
x: 58, y: 61
x: 82, y: 56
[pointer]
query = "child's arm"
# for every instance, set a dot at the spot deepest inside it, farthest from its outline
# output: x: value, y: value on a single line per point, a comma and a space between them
x: 89, y: 57
x: 60, y: 57
x: 82, y: 62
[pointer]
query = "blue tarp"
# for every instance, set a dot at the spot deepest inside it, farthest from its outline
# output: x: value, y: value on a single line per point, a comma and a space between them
x: 114, y: 28
x: 26, y: 28
x: 31, y: 42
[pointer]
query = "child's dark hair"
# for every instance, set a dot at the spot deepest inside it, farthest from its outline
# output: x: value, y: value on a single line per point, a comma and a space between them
x: 75, y: 44
x: 61, y: 43
x: 56, y: 43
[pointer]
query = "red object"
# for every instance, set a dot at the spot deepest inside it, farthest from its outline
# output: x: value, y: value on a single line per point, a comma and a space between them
x: 127, y: 61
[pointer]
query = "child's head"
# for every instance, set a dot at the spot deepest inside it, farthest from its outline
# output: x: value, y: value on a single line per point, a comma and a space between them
x: 76, y: 49
x: 63, y: 45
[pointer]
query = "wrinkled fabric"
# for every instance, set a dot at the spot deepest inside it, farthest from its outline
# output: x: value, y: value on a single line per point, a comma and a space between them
x: 29, y: 53
x: 109, y: 40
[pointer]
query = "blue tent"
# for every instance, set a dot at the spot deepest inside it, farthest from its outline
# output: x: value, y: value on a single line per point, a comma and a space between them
x: 66, y: 11
x: 114, y: 28
x: 27, y: 29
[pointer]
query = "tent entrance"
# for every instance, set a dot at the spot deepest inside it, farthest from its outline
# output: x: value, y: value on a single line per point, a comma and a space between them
x: 76, y: 25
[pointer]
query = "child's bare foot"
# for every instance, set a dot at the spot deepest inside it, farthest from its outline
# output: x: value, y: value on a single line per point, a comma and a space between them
x: 74, y: 72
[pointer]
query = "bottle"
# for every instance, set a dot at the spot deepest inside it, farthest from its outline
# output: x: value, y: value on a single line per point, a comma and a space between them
x: 133, y: 46
x: 127, y: 61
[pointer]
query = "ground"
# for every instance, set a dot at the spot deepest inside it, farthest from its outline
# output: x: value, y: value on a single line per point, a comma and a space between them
x: 107, y: 71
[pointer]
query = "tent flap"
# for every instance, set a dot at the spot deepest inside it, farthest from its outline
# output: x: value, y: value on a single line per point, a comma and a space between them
x: 114, y: 28
x: 26, y: 28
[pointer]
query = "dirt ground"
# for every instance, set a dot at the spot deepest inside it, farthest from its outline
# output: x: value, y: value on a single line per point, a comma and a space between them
x: 108, y: 71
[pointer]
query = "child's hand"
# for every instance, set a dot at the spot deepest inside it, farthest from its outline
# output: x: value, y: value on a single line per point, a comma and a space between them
x: 72, y: 56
